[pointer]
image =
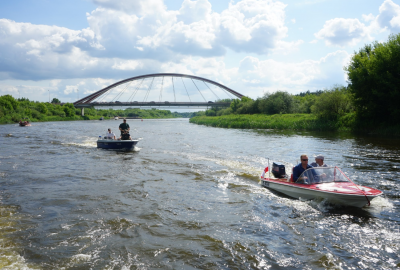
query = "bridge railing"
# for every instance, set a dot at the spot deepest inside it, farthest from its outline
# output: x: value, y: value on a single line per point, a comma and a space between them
x: 153, y: 104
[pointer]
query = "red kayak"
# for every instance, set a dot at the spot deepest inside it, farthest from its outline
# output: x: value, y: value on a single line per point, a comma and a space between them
x: 329, y: 183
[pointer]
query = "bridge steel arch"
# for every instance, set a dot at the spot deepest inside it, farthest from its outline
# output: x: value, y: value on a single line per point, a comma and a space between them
x: 86, y: 100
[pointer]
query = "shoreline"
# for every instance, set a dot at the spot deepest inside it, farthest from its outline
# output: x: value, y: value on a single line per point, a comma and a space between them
x: 305, y: 122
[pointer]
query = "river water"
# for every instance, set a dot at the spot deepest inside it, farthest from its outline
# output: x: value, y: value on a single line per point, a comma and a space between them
x: 188, y: 197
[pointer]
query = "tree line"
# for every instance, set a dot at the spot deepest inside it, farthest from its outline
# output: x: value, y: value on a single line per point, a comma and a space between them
x: 369, y: 102
x: 13, y: 110
x: 331, y: 104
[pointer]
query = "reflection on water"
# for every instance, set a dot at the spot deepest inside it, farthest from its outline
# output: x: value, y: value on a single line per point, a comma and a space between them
x: 189, y: 197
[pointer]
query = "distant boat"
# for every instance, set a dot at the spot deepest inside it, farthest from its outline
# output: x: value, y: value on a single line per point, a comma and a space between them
x: 24, y: 123
x: 116, y: 118
x: 101, y: 118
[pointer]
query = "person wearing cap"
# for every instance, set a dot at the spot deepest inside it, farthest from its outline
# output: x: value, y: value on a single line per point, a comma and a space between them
x: 124, y: 128
x: 319, y: 162
x: 110, y: 135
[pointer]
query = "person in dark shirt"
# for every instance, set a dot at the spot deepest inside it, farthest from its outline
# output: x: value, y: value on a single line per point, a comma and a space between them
x: 300, y: 168
x: 124, y: 128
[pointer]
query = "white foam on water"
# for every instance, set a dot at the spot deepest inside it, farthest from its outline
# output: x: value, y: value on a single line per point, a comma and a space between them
x: 10, y: 252
x: 379, y: 204
x: 81, y: 258
x: 85, y: 144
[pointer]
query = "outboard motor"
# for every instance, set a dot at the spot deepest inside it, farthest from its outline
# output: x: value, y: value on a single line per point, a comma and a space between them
x: 278, y: 170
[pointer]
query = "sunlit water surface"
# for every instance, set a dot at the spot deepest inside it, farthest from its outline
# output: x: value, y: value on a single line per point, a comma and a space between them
x: 187, y: 198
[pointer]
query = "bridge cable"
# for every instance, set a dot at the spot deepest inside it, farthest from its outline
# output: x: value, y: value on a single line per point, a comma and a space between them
x: 106, y: 94
x: 173, y: 87
x: 199, y: 90
x: 162, y: 84
x: 230, y: 95
x: 211, y: 90
x: 119, y: 95
x: 186, y: 90
x: 148, y: 90
x: 135, y: 91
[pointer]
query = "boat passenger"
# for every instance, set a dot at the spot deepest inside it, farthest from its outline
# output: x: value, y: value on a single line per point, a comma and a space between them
x: 110, y: 135
x: 300, y: 168
x: 124, y: 128
x: 319, y: 162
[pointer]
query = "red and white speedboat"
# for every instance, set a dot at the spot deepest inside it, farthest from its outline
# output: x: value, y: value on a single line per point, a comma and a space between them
x: 329, y: 183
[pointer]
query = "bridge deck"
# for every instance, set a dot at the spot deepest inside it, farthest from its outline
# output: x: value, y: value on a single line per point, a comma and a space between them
x: 153, y: 104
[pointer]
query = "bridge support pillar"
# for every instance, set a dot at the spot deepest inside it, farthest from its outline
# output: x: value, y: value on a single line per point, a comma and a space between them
x: 83, y: 111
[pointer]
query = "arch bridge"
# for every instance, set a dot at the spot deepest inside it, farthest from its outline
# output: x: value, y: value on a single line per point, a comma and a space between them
x: 161, y: 90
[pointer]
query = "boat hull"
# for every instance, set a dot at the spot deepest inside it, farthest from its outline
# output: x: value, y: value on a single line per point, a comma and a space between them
x: 121, y: 145
x: 338, y: 193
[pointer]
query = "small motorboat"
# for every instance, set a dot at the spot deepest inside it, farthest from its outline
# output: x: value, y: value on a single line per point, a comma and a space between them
x: 24, y: 123
x: 328, y: 183
x: 121, y: 145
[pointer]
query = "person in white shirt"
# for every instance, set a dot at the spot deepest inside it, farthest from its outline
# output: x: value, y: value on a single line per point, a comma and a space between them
x: 319, y: 162
x: 110, y: 135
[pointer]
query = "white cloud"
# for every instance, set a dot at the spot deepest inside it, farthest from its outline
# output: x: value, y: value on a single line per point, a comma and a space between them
x: 389, y: 16
x: 256, y: 75
x: 368, y: 17
x: 250, y: 25
x: 343, y: 32
x: 70, y: 89
x: 140, y: 36
x: 127, y: 65
x: 194, y: 11
x: 253, y: 25
x: 139, y: 7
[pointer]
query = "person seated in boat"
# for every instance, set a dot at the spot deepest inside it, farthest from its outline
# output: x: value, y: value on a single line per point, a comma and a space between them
x: 125, y: 136
x: 110, y: 135
x: 300, y: 168
x: 124, y: 128
x: 319, y: 162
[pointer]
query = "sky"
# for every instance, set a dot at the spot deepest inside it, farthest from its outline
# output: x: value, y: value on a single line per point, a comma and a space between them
x: 69, y: 49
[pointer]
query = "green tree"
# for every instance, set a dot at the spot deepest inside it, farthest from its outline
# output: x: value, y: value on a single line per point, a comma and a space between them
x: 278, y: 102
x: 69, y: 109
x: 374, y: 80
x: 8, y: 102
x: 333, y: 103
x: 56, y: 100
x: 235, y: 105
x: 42, y: 108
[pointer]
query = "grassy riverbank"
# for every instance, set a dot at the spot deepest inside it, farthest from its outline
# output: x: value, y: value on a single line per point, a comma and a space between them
x: 276, y: 121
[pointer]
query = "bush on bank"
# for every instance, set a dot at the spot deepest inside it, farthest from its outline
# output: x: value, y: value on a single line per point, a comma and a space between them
x: 276, y: 121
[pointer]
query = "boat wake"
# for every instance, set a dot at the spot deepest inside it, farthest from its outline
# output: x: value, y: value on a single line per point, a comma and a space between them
x: 84, y: 144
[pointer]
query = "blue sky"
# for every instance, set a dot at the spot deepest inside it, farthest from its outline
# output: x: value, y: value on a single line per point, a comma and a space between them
x: 70, y: 48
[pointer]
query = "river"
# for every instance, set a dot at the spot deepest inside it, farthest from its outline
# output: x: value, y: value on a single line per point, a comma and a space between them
x: 188, y: 197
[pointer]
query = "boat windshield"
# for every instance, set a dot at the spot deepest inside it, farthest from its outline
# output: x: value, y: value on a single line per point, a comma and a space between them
x: 322, y: 175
